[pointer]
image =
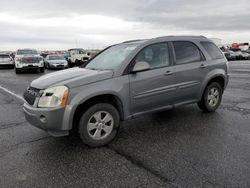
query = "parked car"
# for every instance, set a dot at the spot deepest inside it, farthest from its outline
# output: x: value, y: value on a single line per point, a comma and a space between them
x: 6, y: 60
x: 245, y: 56
x: 125, y: 81
x: 230, y: 55
x: 77, y: 56
x: 55, y: 61
x: 239, y: 54
x: 28, y: 59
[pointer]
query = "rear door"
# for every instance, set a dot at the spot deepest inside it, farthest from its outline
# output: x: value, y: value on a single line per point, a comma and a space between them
x: 153, y: 88
x: 191, y: 69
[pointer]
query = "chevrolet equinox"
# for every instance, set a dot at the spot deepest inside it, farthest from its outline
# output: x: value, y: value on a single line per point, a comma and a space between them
x: 124, y: 81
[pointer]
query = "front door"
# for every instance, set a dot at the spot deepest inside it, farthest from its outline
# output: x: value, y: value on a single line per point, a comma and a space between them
x: 154, y: 88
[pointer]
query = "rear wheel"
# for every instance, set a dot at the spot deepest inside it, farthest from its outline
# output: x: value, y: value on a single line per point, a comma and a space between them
x: 211, y: 98
x: 99, y: 124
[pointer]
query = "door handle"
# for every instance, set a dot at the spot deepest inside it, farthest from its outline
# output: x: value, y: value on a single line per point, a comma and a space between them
x: 168, y: 73
x: 202, y: 66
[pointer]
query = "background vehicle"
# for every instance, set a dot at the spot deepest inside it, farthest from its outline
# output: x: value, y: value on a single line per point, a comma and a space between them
x: 77, y: 56
x: 28, y: 59
x: 245, y: 56
x: 6, y: 60
x: 125, y: 81
x: 238, y: 53
x: 230, y: 55
x: 55, y: 61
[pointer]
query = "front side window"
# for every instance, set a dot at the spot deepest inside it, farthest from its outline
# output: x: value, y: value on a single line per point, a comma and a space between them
x: 186, y: 52
x: 212, y: 50
x: 156, y: 55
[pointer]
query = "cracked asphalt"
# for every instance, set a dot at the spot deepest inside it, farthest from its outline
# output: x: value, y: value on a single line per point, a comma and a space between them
x: 182, y: 147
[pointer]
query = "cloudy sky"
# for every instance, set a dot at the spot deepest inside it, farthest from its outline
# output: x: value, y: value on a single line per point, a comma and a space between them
x: 62, y: 24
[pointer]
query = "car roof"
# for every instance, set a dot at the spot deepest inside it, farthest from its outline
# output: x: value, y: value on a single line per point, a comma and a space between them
x: 75, y: 49
x: 181, y: 37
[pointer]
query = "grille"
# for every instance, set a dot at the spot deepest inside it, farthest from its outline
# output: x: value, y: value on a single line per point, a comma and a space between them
x: 30, y: 60
x: 30, y: 95
x: 85, y: 58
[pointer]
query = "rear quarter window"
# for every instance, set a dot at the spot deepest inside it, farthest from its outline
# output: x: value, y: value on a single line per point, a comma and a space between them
x: 212, y: 50
x: 186, y: 52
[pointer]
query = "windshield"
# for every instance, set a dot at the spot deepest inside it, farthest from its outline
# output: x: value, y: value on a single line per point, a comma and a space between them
x: 236, y: 49
x: 77, y: 51
x: 112, y: 57
x: 56, y: 57
x: 26, y: 52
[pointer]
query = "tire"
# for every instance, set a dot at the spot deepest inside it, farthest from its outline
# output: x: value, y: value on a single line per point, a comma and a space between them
x: 18, y: 71
x: 94, y: 134
x: 70, y: 64
x: 211, y: 98
x: 41, y: 70
x: 77, y: 62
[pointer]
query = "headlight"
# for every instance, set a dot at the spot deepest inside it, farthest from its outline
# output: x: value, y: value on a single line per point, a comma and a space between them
x: 40, y: 58
x: 54, y: 97
x: 18, y: 59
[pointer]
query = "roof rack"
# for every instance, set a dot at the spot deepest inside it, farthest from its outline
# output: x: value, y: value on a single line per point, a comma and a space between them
x: 129, y: 41
x: 186, y: 36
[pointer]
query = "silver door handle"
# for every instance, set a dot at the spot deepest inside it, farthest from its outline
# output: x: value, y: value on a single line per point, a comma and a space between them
x: 168, y: 73
x: 203, y: 66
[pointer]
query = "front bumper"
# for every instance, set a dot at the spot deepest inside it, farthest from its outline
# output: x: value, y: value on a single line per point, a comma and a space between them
x: 58, y: 66
x: 29, y: 66
x: 55, y: 121
x: 6, y: 63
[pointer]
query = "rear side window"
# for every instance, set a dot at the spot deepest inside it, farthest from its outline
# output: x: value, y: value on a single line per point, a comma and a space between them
x: 212, y: 50
x: 186, y: 52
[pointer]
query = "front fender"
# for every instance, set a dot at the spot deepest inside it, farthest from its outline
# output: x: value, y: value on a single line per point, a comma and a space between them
x: 118, y: 87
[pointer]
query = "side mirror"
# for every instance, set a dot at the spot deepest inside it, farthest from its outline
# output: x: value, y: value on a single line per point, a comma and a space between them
x: 141, y: 66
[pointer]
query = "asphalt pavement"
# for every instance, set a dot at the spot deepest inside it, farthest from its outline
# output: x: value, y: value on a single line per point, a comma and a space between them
x: 183, y: 147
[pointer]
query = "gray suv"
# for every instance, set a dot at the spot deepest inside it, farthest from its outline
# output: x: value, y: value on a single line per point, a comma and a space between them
x: 124, y: 81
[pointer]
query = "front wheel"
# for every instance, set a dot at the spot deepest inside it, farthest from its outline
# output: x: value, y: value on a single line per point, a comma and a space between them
x: 99, y: 124
x: 41, y: 69
x: 211, y: 98
x: 17, y: 70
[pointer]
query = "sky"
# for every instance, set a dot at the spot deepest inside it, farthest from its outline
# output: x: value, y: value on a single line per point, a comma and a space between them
x: 91, y: 24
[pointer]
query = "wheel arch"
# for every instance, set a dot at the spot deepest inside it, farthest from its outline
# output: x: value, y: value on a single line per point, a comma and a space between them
x: 101, y: 98
x: 220, y: 78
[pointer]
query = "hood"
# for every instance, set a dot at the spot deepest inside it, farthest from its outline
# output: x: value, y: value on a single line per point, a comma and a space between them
x: 73, y: 77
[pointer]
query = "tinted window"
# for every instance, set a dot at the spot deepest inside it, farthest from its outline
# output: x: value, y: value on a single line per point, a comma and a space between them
x: 155, y: 55
x: 186, y: 52
x: 212, y: 50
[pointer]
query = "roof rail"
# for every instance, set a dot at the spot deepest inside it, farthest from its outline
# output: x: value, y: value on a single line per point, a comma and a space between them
x: 137, y: 40
x: 188, y: 36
